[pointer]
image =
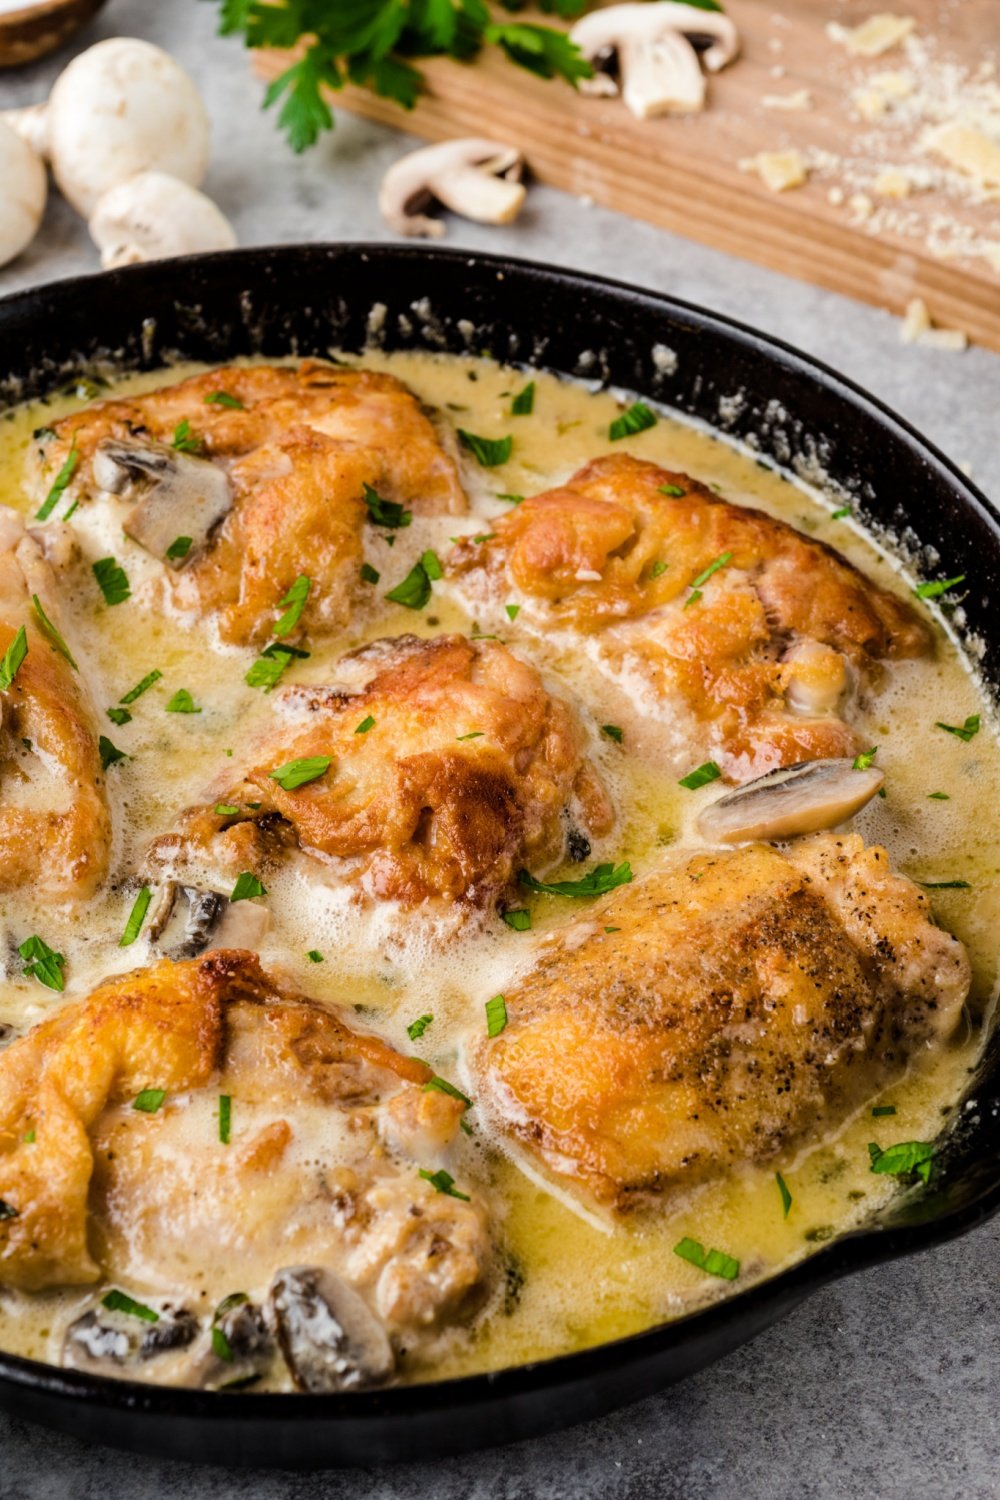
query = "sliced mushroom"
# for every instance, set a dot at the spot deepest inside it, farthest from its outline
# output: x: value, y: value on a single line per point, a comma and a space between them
x: 180, y: 495
x: 797, y: 799
x: 476, y: 178
x: 106, y: 1339
x: 242, y: 1346
x: 330, y: 1339
x: 188, y: 920
x: 656, y: 52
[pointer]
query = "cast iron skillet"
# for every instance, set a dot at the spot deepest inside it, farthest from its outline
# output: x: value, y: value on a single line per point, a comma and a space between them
x: 310, y: 299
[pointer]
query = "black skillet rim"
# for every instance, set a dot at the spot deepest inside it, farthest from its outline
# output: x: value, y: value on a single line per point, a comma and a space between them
x: 911, y: 1226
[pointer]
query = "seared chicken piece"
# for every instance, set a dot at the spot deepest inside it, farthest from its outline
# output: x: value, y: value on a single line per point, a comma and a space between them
x: 55, y: 829
x: 327, y: 1130
x: 716, y: 1013
x: 450, y: 767
x: 759, y: 632
x: 242, y: 480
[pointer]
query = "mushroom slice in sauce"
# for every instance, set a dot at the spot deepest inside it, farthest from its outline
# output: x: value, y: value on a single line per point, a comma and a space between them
x: 329, y: 1338
x: 798, y: 799
x: 187, y: 921
x: 178, y: 495
x: 243, y: 1347
x: 106, y: 1339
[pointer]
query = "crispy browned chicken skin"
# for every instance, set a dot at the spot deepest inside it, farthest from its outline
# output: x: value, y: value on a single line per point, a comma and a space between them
x: 717, y: 1012
x: 55, y: 829
x: 762, y: 658
x: 298, y: 447
x: 451, y: 766
x: 329, y: 1126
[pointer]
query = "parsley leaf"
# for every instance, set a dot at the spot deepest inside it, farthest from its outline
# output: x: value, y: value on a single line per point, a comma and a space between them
x: 523, y: 403
x: 223, y: 398
x: 184, y: 440
x: 55, y: 639
x: 704, y: 576
x: 369, y: 574
x: 62, y: 479
x: 715, y: 1262
x: 109, y: 753
x: 519, y: 919
x: 496, y: 1015
x: 179, y: 548
x: 111, y: 580
x: 786, y: 1197
x: 635, y: 418
x: 863, y: 761
x: 299, y: 772
x: 489, y: 452
x: 935, y: 590
x: 293, y: 604
x: 119, y: 716
x: 12, y: 659
x: 366, y: 723
x: 269, y: 667
x: 149, y: 1101
x: 137, y: 916
x: 903, y: 1158
x: 116, y: 1301
x: 247, y: 885
x: 673, y: 490
x: 141, y: 687
x: 42, y: 963
x: 443, y: 1182
x: 386, y: 512
x: 601, y: 878
x: 226, y: 1113
x: 415, y: 589
x: 613, y: 732
x: 182, y: 703
x: 964, y: 731
x: 701, y: 776
x: 416, y: 1028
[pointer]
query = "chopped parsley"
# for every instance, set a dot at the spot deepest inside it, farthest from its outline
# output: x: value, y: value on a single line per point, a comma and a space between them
x: 366, y: 723
x: 444, y: 1087
x: 863, y: 761
x: 523, y: 403
x: 601, y: 878
x: 221, y: 1347
x: 511, y: 499
x: 883, y: 1109
x: 786, y: 1197
x: 184, y: 440
x: 225, y: 809
x: 179, y: 548
x: 935, y: 590
x: 938, y: 797
x: 512, y: 611
x: 474, y: 734
x: 416, y: 1028
x: 315, y: 956
x: 496, y: 1015
x: 903, y: 1158
x: 945, y: 885
x: 247, y: 885
x: 116, y: 1301
x: 838, y: 515
x: 443, y: 1182
x: 369, y: 574
x: 657, y: 569
x: 109, y: 753
x: 42, y: 963
x: 225, y: 1118
x: 149, y: 1101
x: 964, y: 731
x: 111, y: 580
x: 12, y: 659
x: 223, y: 398
x: 293, y: 604
x: 182, y: 703
x: 56, y: 639
x: 613, y: 732
x: 415, y: 589
x: 137, y: 916
x: 519, y: 918
x: 701, y: 776
x: 269, y: 667
x: 119, y: 716
x: 489, y: 452
x: 673, y: 490
x: 703, y: 577
x: 386, y: 512
x: 635, y: 418
x: 298, y: 773
x: 715, y: 1262
x: 58, y: 489
x: 141, y: 687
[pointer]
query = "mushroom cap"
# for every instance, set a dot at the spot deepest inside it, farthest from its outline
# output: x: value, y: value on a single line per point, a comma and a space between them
x: 794, y: 800
x: 609, y: 28
x: 122, y: 107
x: 472, y: 176
x: 23, y: 190
x: 153, y: 216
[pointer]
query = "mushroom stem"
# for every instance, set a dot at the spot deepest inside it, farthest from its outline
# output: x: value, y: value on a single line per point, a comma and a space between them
x: 659, y: 68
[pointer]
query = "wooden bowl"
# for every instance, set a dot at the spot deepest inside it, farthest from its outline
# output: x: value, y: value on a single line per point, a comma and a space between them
x: 32, y: 30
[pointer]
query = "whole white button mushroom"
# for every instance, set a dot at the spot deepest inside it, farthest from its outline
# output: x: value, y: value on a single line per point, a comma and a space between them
x: 23, y: 190
x: 122, y: 107
x: 153, y: 216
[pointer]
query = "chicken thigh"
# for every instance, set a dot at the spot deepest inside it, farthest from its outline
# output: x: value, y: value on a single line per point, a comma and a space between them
x: 195, y: 1128
x: 717, y: 1012
x: 55, y: 828
x: 749, y: 634
x: 244, y: 479
x: 438, y: 768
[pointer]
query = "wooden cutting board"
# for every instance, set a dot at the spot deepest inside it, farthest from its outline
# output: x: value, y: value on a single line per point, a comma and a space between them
x: 684, y: 173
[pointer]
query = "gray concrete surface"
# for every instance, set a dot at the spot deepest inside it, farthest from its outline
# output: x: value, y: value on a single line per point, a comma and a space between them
x: 882, y: 1387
